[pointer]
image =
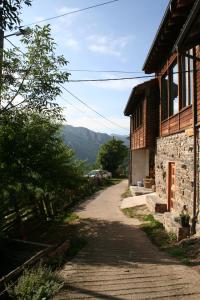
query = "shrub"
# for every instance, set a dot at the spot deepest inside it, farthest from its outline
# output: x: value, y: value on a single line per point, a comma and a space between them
x: 36, y: 284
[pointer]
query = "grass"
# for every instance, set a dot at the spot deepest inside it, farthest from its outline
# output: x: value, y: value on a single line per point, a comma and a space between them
x: 163, y: 240
x: 37, y: 283
x: 126, y: 194
x: 167, y: 241
x: 136, y: 212
x: 70, y: 218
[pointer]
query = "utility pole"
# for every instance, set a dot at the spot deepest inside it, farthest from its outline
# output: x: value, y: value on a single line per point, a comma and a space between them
x: 1, y: 48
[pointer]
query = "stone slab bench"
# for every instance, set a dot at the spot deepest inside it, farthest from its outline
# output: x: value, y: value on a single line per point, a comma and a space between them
x: 138, y: 191
x: 155, y: 204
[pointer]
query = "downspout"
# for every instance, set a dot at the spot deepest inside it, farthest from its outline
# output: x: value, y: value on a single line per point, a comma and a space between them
x: 194, y: 112
x: 130, y: 155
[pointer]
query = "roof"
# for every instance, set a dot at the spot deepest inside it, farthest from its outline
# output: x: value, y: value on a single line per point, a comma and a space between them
x: 173, y: 20
x: 138, y: 92
x: 189, y: 35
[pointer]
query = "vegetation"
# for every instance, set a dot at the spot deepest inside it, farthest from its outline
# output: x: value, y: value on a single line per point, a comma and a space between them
x: 39, y: 172
x: 112, y: 155
x: 36, y: 284
x: 186, y: 251
x: 10, y: 13
x: 126, y: 194
x: 31, y: 79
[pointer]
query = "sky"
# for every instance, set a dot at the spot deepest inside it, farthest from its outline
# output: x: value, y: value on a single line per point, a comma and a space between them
x: 116, y: 36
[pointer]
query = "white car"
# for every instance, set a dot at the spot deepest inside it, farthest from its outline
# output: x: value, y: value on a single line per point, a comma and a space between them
x: 95, y: 174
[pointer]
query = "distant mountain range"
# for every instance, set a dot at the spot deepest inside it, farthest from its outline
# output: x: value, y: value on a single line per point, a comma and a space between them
x: 86, y: 142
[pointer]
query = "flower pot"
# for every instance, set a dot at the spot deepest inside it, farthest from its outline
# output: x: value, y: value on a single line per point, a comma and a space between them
x: 184, y: 220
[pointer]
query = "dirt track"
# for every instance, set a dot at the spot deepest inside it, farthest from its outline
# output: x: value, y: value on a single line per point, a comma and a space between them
x: 119, y: 261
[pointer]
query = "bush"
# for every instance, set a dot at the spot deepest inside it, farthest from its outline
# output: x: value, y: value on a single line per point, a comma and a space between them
x: 36, y: 284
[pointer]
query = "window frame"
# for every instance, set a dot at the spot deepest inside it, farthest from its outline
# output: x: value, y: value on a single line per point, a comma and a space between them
x: 187, y: 87
x: 185, y: 84
x: 138, y: 116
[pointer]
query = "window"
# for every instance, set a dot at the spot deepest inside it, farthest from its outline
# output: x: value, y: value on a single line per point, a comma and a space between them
x: 137, y: 116
x: 164, y: 90
x: 173, y: 89
x: 169, y: 90
x: 187, y: 78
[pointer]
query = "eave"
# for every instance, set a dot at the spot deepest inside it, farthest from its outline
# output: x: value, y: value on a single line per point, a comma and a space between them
x: 137, y: 94
x: 174, y: 18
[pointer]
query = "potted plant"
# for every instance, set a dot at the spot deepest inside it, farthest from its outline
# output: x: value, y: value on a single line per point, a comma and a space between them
x: 184, y: 217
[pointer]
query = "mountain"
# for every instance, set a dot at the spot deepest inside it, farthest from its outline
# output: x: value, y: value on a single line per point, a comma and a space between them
x: 86, y: 142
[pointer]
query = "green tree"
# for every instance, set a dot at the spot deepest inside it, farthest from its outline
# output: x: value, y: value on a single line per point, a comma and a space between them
x: 31, y: 79
x: 35, y: 165
x: 111, y: 155
x: 10, y: 13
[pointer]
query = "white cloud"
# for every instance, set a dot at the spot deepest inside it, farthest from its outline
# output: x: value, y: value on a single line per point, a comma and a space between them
x: 72, y: 43
x: 108, y: 44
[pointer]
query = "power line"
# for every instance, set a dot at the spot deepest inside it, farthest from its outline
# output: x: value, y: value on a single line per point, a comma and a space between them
x: 91, y: 108
x: 115, y: 79
x: 83, y: 112
x: 111, y: 79
x: 102, y: 71
x: 70, y: 13
x: 85, y: 104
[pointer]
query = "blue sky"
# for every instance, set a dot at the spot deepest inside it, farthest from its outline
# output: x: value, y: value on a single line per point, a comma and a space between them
x: 116, y: 36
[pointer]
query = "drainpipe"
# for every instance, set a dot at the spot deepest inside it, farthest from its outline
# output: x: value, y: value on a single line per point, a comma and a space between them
x: 194, y: 112
x: 130, y: 155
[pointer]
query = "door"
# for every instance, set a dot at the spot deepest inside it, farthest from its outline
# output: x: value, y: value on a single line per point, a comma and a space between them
x: 171, y: 185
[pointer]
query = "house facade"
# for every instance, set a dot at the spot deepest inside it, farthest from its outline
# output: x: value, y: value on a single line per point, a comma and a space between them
x: 143, y: 109
x: 174, y: 58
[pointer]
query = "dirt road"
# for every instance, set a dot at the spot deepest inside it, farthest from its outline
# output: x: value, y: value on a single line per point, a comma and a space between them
x: 119, y: 261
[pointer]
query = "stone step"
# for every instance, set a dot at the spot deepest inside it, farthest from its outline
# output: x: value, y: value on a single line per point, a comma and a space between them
x: 137, y: 191
x: 155, y: 204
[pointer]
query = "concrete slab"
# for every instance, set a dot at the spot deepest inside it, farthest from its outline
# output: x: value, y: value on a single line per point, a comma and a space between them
x: 133, y: 201
x: 137, y: 190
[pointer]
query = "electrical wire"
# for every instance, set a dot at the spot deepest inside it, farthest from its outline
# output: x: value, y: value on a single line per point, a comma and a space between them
x: 69, y: 13
x: 85, y: 104
x: 114, y: 79
x: 101, y: 71
x: 111, y: 79
x: 83, y: 112
x: 92, y: 109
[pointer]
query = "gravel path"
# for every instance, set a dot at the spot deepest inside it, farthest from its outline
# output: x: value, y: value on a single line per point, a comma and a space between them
x: 119, y: 261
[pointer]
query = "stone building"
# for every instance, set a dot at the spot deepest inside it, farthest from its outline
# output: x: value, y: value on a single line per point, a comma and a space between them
x: 174, y: 58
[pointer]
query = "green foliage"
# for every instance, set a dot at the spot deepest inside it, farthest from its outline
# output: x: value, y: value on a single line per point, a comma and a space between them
x: 126, y: 194
x: 36, y: 167
x: 36, y: 284
x: 11, y: 11
x: 70, y: 218
x: 32, y: 78
x: 111, y: 155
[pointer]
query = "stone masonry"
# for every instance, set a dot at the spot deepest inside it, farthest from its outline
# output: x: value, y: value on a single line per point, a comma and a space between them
x: 176, y: 148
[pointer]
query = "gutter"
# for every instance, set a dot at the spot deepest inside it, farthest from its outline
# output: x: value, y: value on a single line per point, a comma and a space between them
x: 192, y: 16
x: 194, y: 110
x: 168, y: 9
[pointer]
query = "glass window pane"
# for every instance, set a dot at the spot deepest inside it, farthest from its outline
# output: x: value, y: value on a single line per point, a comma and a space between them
x: 191, y: 77
x: 174, y: 90
x: 164, y: 90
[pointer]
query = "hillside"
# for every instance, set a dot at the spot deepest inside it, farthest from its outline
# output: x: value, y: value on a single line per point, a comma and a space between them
x: 86, y: 142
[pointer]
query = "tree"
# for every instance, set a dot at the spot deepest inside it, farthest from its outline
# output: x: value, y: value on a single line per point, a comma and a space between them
x: 35, y: 165
x: 32, y: 79
x: 111, y: 155
x: 10, y: 13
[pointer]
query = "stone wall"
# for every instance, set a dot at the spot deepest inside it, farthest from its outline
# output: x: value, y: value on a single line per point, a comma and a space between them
x: 176, y: 148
